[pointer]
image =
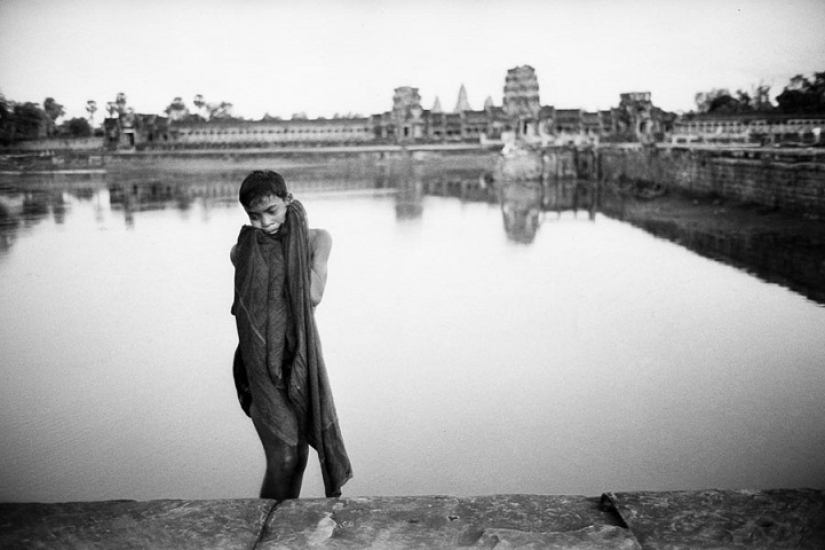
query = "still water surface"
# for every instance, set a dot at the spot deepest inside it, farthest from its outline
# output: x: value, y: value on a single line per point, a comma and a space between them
x: 594, y: 358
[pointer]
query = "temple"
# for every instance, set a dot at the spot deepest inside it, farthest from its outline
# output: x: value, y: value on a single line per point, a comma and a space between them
x: 519, y: 116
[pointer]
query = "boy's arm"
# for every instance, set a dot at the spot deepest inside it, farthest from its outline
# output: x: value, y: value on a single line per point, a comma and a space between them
x: 320, y: 245
x: 233, y: 254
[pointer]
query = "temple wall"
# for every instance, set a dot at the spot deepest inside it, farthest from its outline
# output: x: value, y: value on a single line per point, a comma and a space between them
x: 792, y: 180
x: 61, y: 144
x: 290, y: 132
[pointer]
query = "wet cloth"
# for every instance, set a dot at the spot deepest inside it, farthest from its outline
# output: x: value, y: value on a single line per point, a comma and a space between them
x: 279, y: 345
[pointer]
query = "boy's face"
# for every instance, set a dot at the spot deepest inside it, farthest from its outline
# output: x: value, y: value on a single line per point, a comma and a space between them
x: 268, y: 214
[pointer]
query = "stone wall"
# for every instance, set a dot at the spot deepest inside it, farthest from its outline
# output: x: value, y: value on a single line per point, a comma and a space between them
x: 58, y: 160
x: 786, y: 179
x: 61, y: 144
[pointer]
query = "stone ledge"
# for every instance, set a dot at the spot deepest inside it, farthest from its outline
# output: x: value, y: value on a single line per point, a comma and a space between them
x: 781, y: 518
x: 127, y: 524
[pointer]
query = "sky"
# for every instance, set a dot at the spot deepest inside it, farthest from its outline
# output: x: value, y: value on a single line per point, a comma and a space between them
x: 327, y: 57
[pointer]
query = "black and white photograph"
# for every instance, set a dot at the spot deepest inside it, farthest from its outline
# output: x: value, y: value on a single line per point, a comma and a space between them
x: 412, y: 274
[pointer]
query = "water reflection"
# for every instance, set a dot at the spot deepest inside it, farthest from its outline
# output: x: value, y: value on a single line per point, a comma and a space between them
x: 26, y: 203
x: 794, y: 262
x: 152, y: 195
x: 521, y: 207
x: 798, y: 264
x: 406, y: 178
x: 11, y: 208
x: 572, y: 194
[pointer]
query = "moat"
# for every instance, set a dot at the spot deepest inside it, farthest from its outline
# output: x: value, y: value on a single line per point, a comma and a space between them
x: 586, y: 355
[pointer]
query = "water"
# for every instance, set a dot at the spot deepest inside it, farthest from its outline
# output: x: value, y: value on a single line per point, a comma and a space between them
x: 588, y: 357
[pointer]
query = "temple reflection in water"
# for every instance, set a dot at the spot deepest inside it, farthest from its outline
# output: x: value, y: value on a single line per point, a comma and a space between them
x: 525, y: 205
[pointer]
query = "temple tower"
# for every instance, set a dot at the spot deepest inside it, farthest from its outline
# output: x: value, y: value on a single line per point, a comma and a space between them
x: 635, y: 115
x: 406, y: 113
x: 462, y: 104
x: 521, y: 99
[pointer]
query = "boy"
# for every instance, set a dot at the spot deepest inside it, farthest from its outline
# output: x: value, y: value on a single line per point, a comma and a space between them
x: 280, y: 275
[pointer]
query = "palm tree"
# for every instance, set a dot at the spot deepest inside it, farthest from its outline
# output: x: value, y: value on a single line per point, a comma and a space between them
x: 199, y: 103
x: 91, y: 107
x: 54, y: 110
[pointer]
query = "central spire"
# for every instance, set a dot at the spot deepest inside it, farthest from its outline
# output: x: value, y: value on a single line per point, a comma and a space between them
x: 462, y: 104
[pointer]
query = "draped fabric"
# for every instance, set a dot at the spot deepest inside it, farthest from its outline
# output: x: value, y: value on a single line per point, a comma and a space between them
x: 280, y: 347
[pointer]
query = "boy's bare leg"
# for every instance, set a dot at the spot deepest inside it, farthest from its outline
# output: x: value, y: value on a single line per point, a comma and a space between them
x: 285, y: 463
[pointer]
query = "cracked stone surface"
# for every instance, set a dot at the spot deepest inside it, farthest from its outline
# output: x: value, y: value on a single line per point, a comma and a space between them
x: 498, y: 521
x: 178, y: 524
x: 673, y: 520
x: 770, y: 519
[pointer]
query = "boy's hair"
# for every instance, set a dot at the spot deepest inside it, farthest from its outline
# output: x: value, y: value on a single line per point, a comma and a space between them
x: 260, y: 184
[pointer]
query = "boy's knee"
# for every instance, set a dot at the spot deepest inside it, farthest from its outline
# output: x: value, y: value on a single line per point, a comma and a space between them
x: 286, y: 459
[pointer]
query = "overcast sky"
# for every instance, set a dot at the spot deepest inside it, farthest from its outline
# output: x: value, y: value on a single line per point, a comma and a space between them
x: 336, y: 56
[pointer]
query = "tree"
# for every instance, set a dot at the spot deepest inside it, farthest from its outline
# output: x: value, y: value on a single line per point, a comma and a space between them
x: 761, y: 99
x: 200, y: 103
x: 720, y: 100
x: 117, y: 108
x: 91, y: 108
x: 219, y: 111
x: 6, y: 120
x: 724, y: 103
x: 705, y: 99
x: 78, y: 127
x: 30, y: 121
x: 744, y: 100
x: 802, y: 95
x: 177, y: 110
x: 54, y: 110
x: 213, y: 111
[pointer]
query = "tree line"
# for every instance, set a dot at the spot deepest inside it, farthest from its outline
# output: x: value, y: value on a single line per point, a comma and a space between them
x: 205, y: 111
x: 802, y: 95
x: 22, y: 121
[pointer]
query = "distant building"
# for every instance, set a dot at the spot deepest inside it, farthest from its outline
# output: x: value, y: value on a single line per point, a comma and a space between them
x: 521, y: 100
x: 636, y: 119
x: 131, y: 130
x: 754, y: 128
x: 272, y: 133
x: 520, y: 116
x: 407, y: 124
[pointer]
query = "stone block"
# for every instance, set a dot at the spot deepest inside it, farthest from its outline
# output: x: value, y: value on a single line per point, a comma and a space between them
x: 720, y: 519
x: 441, y: 522
x: 122, y: 525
